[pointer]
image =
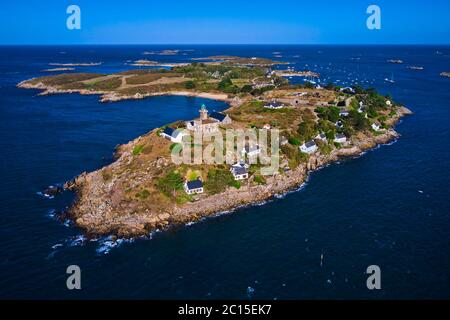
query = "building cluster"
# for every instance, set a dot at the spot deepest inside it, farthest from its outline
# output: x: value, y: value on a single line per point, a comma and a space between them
x: 209, y: 124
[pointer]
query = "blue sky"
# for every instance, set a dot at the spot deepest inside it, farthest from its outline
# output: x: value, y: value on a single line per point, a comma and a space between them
x: 231, y: 21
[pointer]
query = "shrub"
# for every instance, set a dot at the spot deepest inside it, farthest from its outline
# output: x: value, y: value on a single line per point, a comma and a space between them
x: 190, y: 85
x: 294, y: 141
x: 246, y: 88
x: 259, y: 179
x: 137, y: 150
x: 176, y: 145
x: 236, y: 184
x: 144, y: 194
x: 218, y: 180
x: 226, y: 82
x: 306, y: 130
x: 170, y: 183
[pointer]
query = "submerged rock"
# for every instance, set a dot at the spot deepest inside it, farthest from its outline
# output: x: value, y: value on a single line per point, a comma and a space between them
x: 52, y: 191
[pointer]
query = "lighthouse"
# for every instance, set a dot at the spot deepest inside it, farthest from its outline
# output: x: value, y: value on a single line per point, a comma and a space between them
x: 203, y: 112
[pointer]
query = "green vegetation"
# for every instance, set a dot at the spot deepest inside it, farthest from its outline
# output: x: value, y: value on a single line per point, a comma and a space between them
x: 150, y: 77
x: 358, y: 120
x: 259, y: 179
x: 61, y: 79
x: 328, y: 113
x: 144, y: 194
x: 170, y: 183
x: 137, y: 150
x: 193, y: 175
x: 294, y: 141
x: 307, y: 130
x: 107, y: 84
x: 218, y: 180
x: 294, y: 156
x: 324, y: 148
x: 190, y: 84
x: 176, y: 146
x: 236, y: 184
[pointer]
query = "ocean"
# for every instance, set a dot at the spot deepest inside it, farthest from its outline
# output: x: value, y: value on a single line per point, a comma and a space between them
x: 389, y: 207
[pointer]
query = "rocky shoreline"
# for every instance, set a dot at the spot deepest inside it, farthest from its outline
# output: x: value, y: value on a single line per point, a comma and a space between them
x: 108, y: 96
x: 95, y: 213
x: 130, y: 198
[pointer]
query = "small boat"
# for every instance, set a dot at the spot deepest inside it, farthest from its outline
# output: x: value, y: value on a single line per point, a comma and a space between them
x: 391, y: 80
x: 415, y: 68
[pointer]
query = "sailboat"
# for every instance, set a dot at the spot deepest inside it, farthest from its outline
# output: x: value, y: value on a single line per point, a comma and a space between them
x: 391, y: 80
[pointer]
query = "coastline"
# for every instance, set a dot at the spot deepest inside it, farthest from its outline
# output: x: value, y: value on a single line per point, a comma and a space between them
x: 108, y: 96
x: 104, y: 221
x: 102, y: 206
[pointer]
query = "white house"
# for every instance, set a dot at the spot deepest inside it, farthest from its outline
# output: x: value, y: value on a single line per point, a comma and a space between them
x: 274, y: 105
x: 220, y: 117
x: 239, y: 171
x: 361, y: 108
x: 321, y: 137
x: 347, y: 90
x: 388, y: 103
x: 376, y: 127
x: 344, y: 113
x: 339, y: 124
x: 173, y: 135
x: 308, y: 147
x: 193, y: 187
x: 340, y: 138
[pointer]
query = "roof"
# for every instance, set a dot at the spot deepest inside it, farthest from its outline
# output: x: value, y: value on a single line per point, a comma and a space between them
x: 172, y: 132
x: 340, y: 136
x: 195, y: 184
x: 310, y: 144
x: 238, y: 170
x: 218, y: 116
x: 275, y: 104
x: 169, y: 131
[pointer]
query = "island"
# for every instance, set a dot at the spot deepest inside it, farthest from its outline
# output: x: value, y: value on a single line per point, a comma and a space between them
x: 143, y: 190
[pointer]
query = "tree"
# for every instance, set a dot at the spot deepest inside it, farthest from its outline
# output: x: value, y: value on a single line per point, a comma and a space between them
x: 358, y: 120
x: 226, y: 82
x: 189, y: 84
x: 308, y: 85
x: 306, y: 130
x: 218, y: 180
x: 246, y: 88
x: 170, y: 183
x: 333, y: 114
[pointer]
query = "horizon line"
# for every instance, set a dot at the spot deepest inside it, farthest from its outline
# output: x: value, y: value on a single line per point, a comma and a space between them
x: 224, y: 44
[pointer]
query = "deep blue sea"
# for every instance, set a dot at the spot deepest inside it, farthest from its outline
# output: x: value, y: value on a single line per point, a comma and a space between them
x: 390, y: 207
